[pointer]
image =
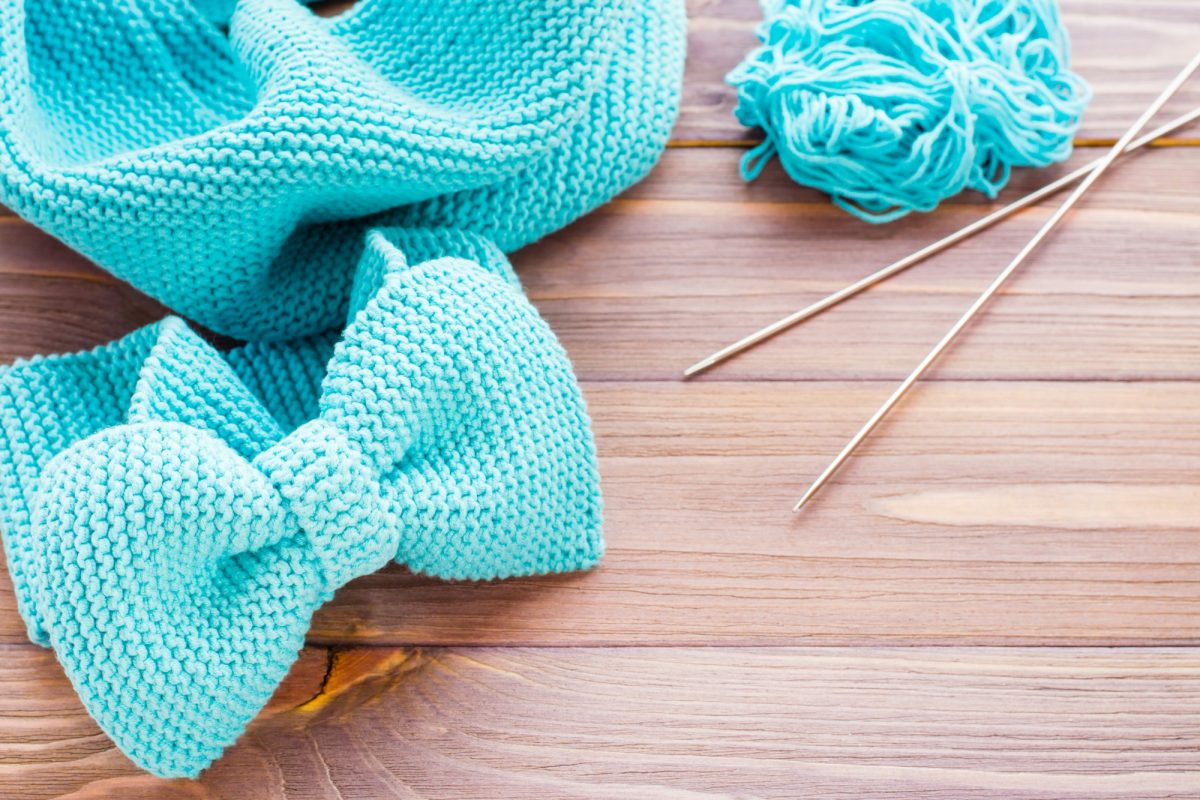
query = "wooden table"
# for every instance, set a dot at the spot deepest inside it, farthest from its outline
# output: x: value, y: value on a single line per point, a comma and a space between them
x: 998, y: 597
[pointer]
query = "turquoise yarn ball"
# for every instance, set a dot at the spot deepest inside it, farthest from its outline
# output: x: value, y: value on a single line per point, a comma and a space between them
x: 891, y: 106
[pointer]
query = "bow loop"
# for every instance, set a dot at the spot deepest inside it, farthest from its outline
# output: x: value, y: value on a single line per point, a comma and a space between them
x: 183, y: 379
x: 177, y: 593
x: 457, y: 389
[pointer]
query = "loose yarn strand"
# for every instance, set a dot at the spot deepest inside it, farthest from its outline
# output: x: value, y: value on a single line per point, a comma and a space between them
x: 893, y: 106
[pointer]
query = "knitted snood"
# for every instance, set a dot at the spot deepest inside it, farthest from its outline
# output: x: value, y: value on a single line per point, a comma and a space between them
x: 232, y: 174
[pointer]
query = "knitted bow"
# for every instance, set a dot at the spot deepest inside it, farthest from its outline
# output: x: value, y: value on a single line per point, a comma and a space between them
x: 174, y: 561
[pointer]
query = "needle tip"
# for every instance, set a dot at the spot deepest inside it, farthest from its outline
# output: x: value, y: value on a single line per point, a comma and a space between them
x: 807, y: 496
x: 698, y: 367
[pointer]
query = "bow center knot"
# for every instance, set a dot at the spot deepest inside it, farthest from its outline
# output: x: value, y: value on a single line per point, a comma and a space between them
x: 332, y: 489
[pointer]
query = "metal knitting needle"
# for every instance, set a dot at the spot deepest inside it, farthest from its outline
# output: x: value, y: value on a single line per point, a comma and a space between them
x: 1105, y: 162
x: 897, y: 267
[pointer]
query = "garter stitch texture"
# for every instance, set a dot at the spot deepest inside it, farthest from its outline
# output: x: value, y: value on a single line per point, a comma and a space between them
x: 173, y: 516
x: 233, y: 176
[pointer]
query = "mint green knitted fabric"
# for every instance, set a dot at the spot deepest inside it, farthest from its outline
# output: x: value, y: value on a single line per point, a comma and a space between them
x: 233, y: 175
x: 173, y: 516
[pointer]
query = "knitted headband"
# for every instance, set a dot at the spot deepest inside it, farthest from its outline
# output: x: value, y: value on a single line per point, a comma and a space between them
x: 173, y: 516
x: 234, y: 177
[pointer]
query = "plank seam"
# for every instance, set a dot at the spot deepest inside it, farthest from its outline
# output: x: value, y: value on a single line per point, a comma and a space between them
x: 1079, y: 144
x: 333, y: 647
x: 892, y: 379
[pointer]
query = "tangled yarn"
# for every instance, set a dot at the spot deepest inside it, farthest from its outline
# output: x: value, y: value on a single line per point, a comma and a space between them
x: 892, y: 106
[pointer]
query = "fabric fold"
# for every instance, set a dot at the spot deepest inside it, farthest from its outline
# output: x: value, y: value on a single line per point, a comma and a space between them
x: 233, y: 177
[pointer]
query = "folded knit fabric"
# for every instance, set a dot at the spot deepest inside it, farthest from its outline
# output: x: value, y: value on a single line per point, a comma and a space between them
x: 233, y: 175
x: 173, y: 516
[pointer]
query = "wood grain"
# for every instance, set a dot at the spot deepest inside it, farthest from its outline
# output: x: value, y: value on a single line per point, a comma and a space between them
x: 1067, y: 546
x: 1041, y: 492
x: 1126, y: 51
x: 692, y: 260
x: 666, y: 723
x: 984, y: 513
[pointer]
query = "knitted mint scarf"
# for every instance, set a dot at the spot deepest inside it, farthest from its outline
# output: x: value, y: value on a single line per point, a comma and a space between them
x: 233, y: 175
x: 342, y: 193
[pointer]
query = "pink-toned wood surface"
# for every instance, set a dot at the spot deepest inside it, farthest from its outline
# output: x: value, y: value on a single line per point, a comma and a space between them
x: 999, y: 597
x: 634, y: 723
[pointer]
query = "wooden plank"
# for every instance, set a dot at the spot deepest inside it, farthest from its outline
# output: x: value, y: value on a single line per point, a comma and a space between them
x: 995, y: 513
x: 662, y: 723
x: 50, y: 747
x: 982, y: 513
x: 692, y: 259
x: 1127, y: 51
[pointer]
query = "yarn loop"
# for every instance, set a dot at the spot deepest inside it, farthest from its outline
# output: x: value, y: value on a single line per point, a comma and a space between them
x: 892, y: 106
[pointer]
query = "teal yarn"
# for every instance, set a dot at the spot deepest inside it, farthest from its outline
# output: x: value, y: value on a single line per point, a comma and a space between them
x: 228, y: 159
x: 891, y: 106
x: 173, y: 516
